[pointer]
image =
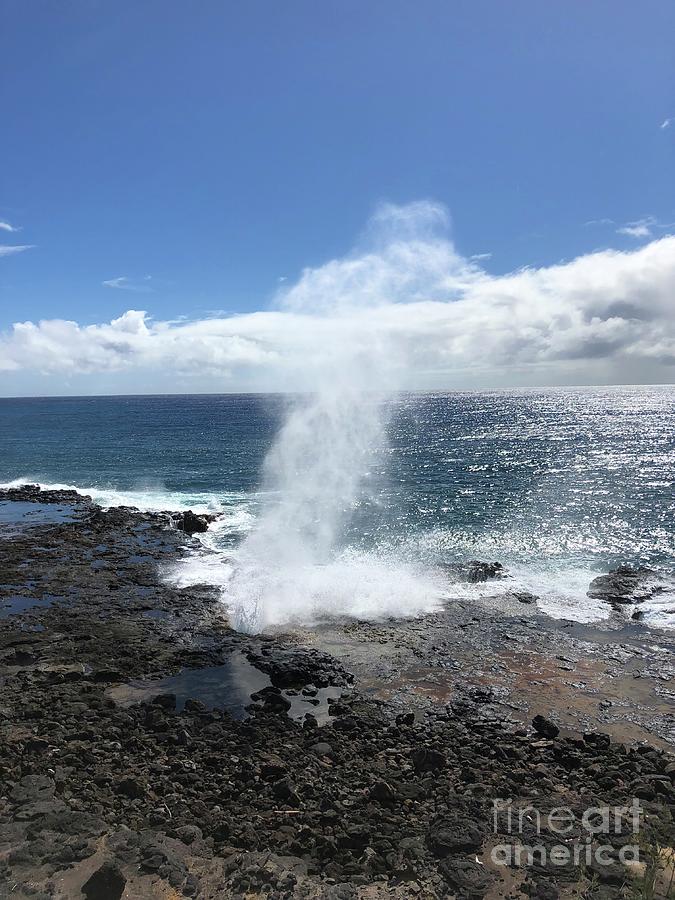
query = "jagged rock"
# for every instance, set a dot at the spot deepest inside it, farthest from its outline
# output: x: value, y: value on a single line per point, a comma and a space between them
x: 165, y: 700
x: 322, y: 749
x: 475, y: 570
x: 545, y: 727
x: 272, y: 767
x: 276, y: 702
x: 191, y: 523
x: 426, y: 760
x: 454, y: 834
x: 483, y: 571
x: 382, y: 792
x: 525, y: 597
x: 131, y: 787
x: 189, y: 834
x: 107, y: 883
x: 28, y: 493
x: 406, y: 719
x: 598, y: 739
x: 468, y: 879
x: 32, y: 788
x: 284, y: 790
x: 625, y: 584
x: 295, y: 667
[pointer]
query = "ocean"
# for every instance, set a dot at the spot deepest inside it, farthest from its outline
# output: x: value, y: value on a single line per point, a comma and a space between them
x: 557, y: 484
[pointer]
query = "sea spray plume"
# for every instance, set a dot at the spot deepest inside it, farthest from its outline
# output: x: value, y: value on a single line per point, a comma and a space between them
x: 315, y: 473
x: 295, y: 564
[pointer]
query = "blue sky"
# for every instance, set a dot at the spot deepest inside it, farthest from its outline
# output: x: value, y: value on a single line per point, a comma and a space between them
x: 182, y: 158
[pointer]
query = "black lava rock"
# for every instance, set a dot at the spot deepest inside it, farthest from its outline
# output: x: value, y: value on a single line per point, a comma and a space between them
x: 191, y: 523
x: 107, y: 883
x: 545, y: 727
x: 624, y: 585
x: 426, y: 760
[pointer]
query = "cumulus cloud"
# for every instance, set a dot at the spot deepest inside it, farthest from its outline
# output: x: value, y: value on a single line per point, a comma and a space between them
x: 11, y: 249
x: 406, y: 287
x: 123, y: 283
x: 666, y: 124
x: 5, y: 226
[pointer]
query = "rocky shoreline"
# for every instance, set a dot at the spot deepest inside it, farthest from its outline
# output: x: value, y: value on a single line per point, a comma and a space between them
x: 148, y: 750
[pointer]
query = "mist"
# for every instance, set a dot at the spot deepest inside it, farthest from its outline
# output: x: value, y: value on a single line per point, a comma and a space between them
x: 297, y: 564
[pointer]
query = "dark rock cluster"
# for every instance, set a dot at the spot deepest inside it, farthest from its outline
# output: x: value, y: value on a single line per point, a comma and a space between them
x: 191, y: 523
x: 628, y: 584
x: 475, y: 570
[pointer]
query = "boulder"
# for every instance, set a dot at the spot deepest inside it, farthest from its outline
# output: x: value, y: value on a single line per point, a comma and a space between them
x: 466, y: 878
x: 545, y: 727
x: 107, y: 883
x: 625, y: 584
x: 455, y: 835
x: 475, y: 570
x: 296, y: 667
x: 525, y: 597
x: 425, y: 760
x: 483, y: 571
x: 191, y: 523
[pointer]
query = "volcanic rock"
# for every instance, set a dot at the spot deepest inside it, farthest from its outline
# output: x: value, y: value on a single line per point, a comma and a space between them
x: 475, y: 570
x: 107, y: 883
x: 468, y: 879
x: 191, y: 523
x: 624, y: 584
x: 426, y: 760
x: 296, y: 667
x: 456, y: 834
x: 545, y: 727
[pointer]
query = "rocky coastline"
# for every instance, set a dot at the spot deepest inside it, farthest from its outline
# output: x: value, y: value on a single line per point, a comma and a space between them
x: 148, y: 750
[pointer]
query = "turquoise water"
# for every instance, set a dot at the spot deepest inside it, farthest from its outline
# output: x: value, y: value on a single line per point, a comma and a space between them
x: 557, y: 484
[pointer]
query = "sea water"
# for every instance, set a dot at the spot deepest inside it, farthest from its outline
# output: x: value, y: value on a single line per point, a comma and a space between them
x: 558, y: 484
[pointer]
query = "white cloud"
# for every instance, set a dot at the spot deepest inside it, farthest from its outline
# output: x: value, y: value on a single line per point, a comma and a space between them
x: 122, y: 283
x: 644, y: 228
x: 10, y: 250
x: 442, y: 319
x: 5, y: 226
x: 641, y: 228
x: 665, y: 124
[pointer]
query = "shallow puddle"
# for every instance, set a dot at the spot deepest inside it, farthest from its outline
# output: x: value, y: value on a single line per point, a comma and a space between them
x: 160, y: 615
x: 16, y: 515
x: 227, y: 687
x: 14, y: 604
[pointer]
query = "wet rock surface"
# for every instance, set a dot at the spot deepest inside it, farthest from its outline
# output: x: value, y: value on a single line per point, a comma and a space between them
x: 475, y: 571
x: 191, y: 523
x: 167, y: 799
x: 628, y: 584
x: 291, y: 667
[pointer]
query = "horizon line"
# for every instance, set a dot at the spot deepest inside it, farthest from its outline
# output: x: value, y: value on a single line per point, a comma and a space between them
x: 484, y: 390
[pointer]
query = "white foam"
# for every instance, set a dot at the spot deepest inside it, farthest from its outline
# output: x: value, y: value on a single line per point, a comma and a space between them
x: 395, y: 581
x: 232, y: 505
x: 659, y: 610
x: 659, y: 613
x: 200, y: 568
x: 560, y: 590
x: 356, y: 585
